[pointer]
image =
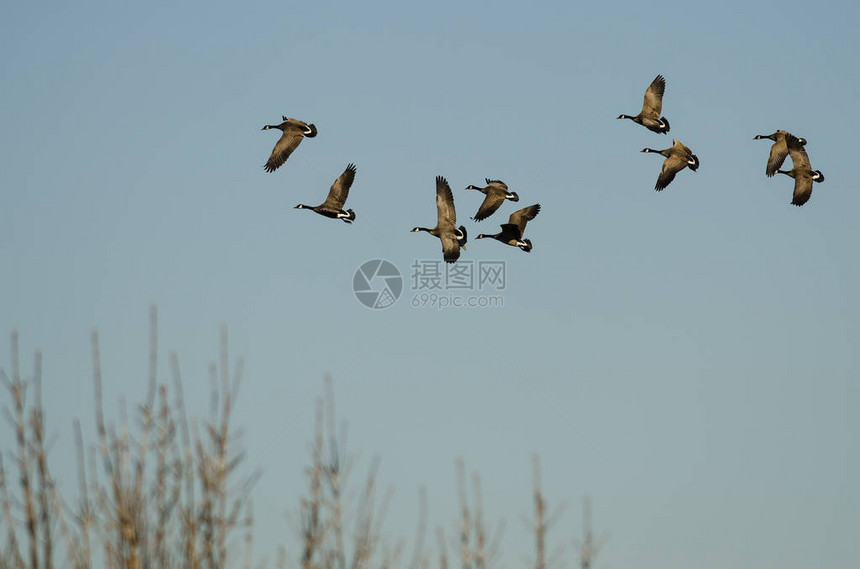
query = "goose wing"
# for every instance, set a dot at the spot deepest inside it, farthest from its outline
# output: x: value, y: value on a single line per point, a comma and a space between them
x: 340, y: 188
x: 446, y: 216
x: 522, y: 216
x: 778, y: 153
x: 671, y: 166
x: 509, y: 231
x: 497, y: 183
x: 653, y: 103
x: 681, y: 148
x: 799, y: 157
x: 492, y: 202
x: 450, y: 246
x: 293, y: 132
x: 802, y: 189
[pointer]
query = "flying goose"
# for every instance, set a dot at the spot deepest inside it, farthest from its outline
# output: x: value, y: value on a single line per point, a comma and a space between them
x: 652, y: 106
x: 293, y: 132
x: 452, y: 237
x: 678, y: 157
x: 512, y: 231
x: 802, y: 172
x: 778, y: 151
x: 333, y: 204
x: 496, y: 192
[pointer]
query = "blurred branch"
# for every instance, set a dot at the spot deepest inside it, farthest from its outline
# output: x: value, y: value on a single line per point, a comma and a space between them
x: 588, y: 546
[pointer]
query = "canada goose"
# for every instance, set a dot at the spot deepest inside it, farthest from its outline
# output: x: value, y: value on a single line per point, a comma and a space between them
x: 452, y: 237
x: 778, y: 151
x: 802, y: 172
x: 333, y: 204
x: 678, y: 157
x: 512, y: 231
x: 496, y: 192
x: 293, y: 132
x: 652, y: 106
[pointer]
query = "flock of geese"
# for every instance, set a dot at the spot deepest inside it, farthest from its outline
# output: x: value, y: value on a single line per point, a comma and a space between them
x: 679, y: 156
x: 453, y: 237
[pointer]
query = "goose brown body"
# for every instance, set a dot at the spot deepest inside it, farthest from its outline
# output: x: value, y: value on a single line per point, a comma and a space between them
x: 801, y: 171
x: 678, y: 157
x: 453, y: 238
x: 512, y: 231
x: 337, y: 194
x: 652, y: 107
x: 495, y: 192
x: 292, y: 133
x: 778, y: 150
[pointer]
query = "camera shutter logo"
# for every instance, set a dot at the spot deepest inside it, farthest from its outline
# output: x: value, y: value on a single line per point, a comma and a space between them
x: 377, y: 284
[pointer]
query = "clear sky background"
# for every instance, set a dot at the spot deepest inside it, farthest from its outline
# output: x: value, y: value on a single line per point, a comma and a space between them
x: 702, y: 341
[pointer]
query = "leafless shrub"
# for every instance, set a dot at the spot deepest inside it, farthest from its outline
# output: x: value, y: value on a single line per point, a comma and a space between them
x: 332, y: 537
x: 476, y: 551
x: 542, y: 522
x: 588, y: 546
x: 169, y: 495
x: 160, y: 491
x: 36, y: 486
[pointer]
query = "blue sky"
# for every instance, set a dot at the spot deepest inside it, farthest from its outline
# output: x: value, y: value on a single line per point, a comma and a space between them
x: 703, y: 339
